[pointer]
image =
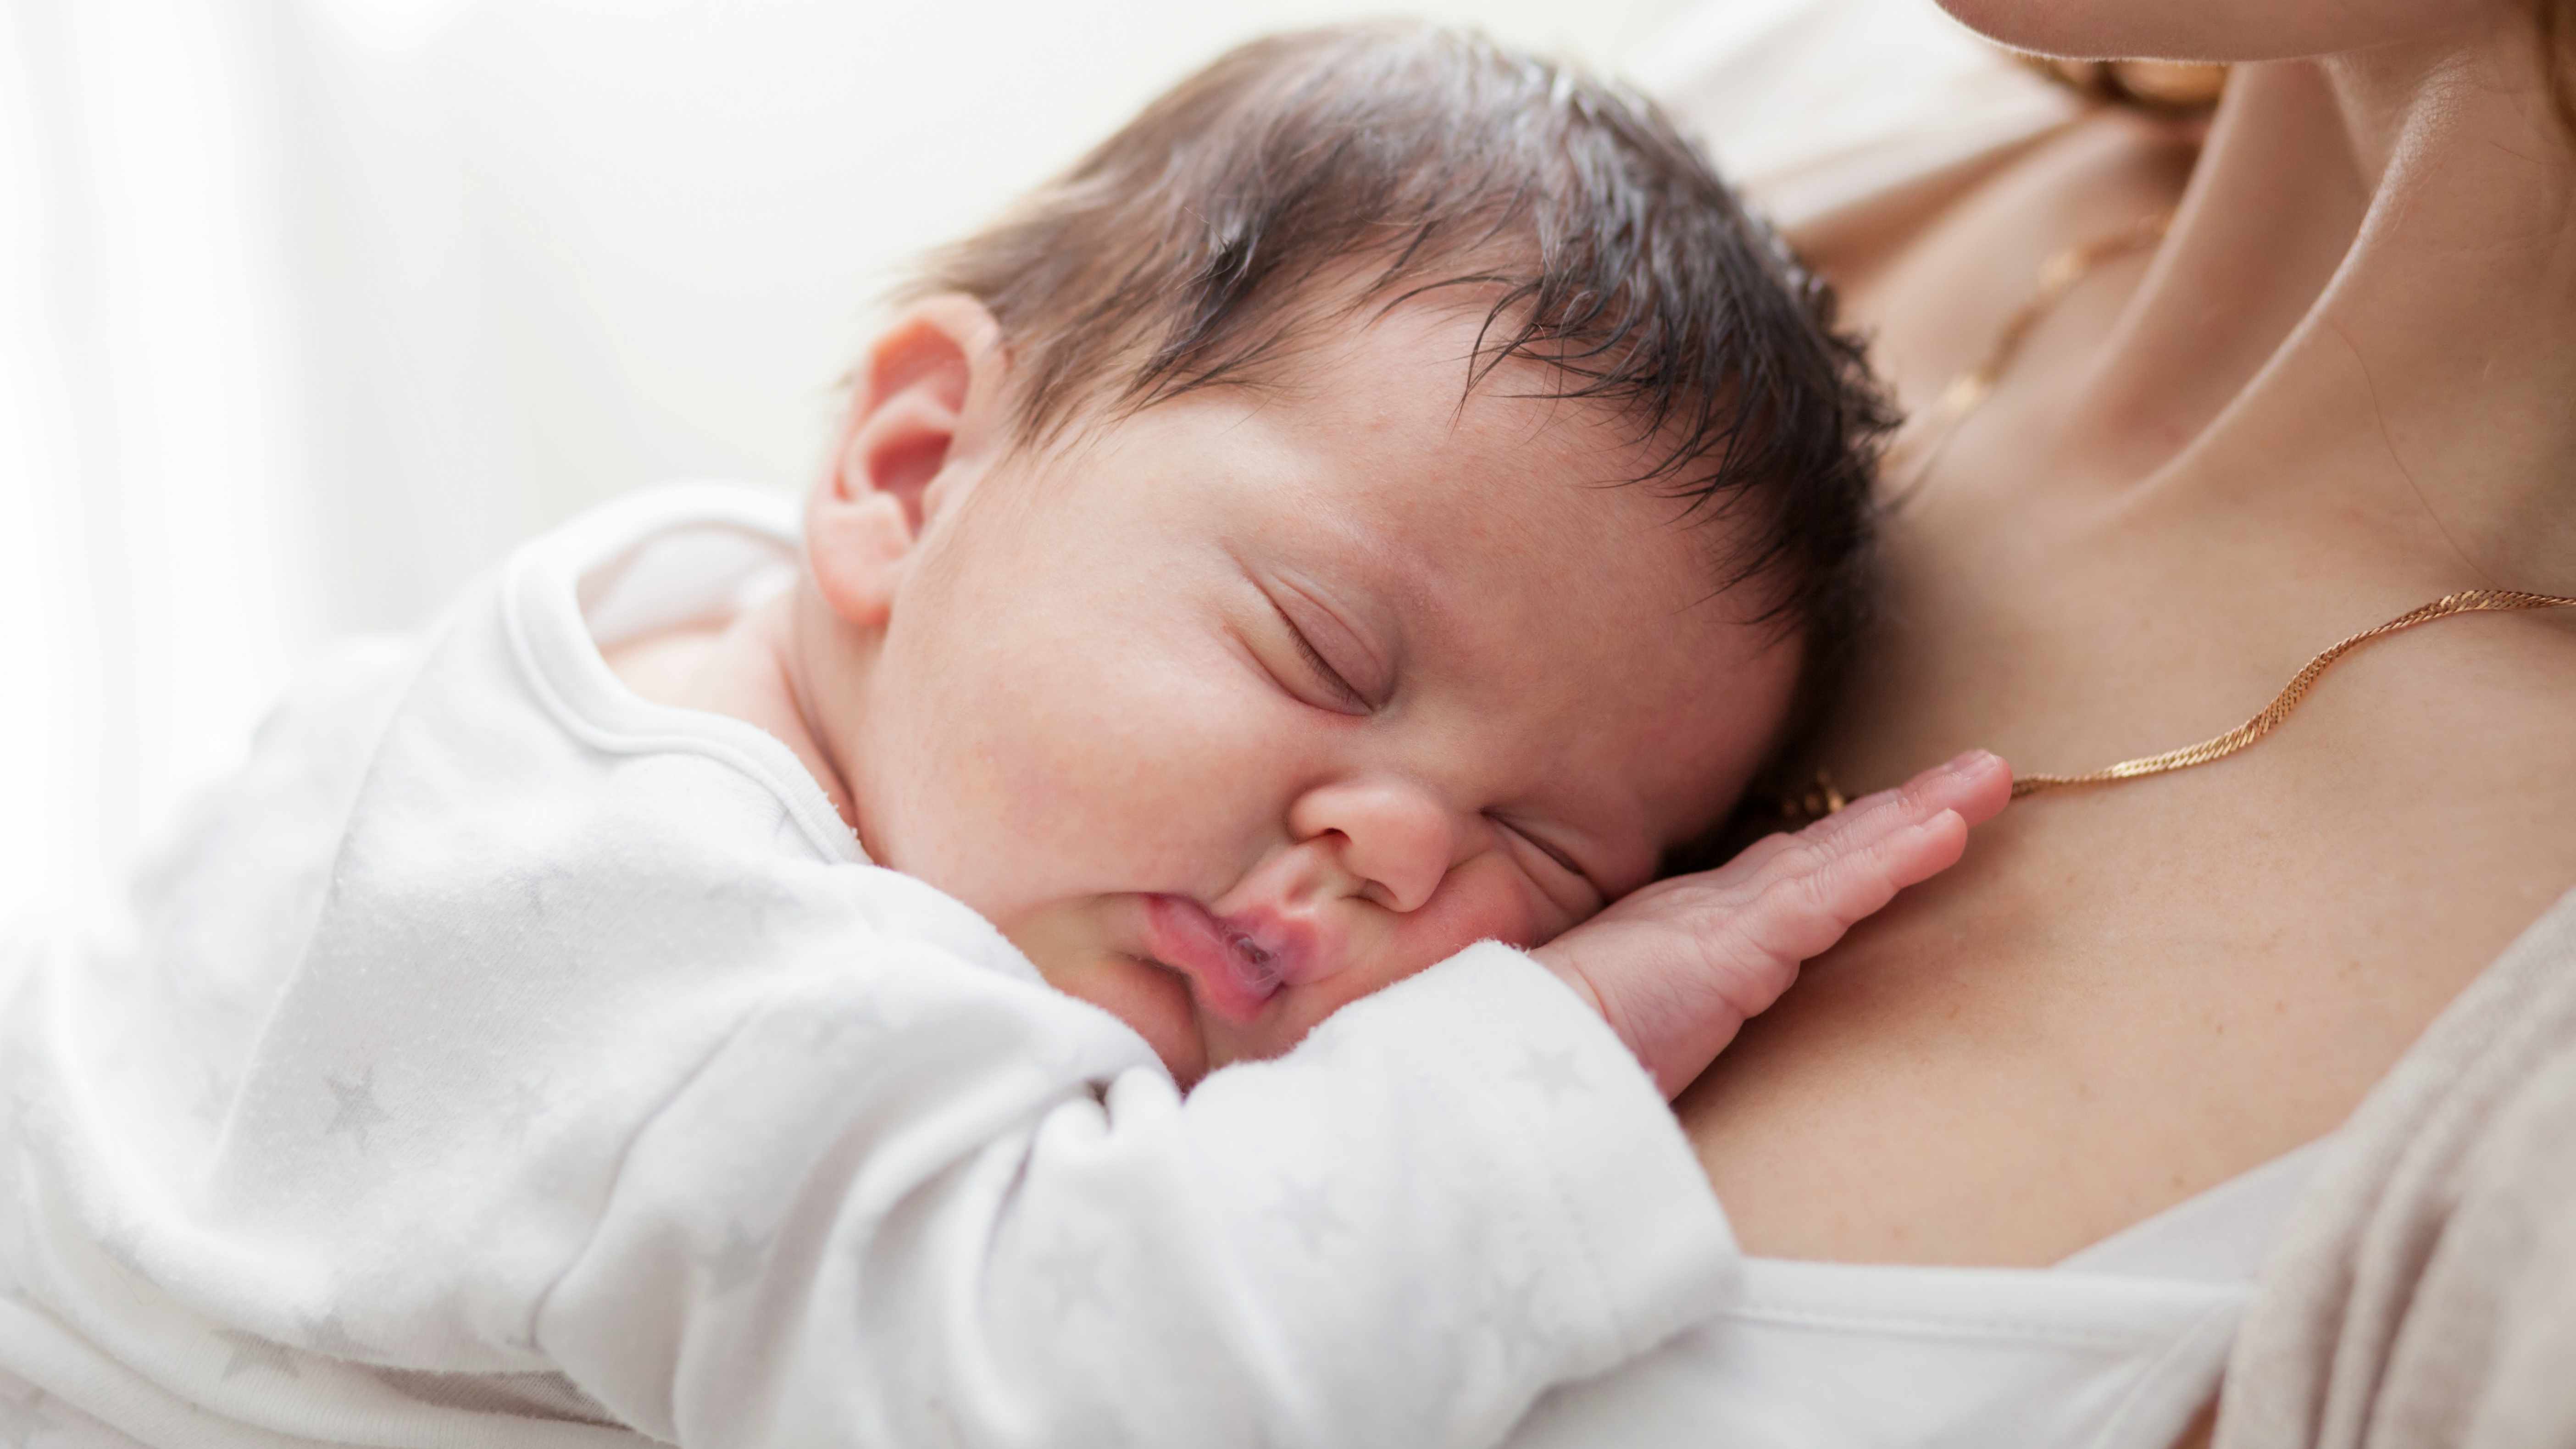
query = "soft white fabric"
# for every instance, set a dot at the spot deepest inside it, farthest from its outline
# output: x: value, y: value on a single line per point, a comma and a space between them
x: 503, y: 1059
x: 2114, y: 1348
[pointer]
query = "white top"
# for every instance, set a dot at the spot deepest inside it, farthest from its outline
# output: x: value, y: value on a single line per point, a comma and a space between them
x: 2114, y: 1348
x: 500, y: 1058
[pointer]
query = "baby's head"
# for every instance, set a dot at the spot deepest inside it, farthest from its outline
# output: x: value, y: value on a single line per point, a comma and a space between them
x: 1386, y: 497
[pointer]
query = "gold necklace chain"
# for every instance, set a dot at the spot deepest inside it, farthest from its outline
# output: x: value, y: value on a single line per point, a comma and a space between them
x: 2057, y: 276
x: 1970, y: 389
x: 2468, y: 601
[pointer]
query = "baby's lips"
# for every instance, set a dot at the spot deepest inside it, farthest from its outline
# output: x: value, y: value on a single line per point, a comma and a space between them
x: 1226, y: 978
x: 1291, y: 948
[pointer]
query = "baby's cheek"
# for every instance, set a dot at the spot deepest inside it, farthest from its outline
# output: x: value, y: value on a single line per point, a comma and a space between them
x: 1482, y: 900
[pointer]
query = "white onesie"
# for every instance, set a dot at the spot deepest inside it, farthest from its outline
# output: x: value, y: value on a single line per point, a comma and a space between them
x: 500, y: 1058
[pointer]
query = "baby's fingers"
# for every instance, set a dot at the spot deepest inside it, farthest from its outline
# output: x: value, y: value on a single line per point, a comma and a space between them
x: 1820, y: 895
x: 1919, y: 852
x: 1976, y: 786
x: 1677, y: 967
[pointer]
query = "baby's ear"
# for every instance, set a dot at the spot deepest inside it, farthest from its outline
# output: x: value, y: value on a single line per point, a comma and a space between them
x: 925, y: 399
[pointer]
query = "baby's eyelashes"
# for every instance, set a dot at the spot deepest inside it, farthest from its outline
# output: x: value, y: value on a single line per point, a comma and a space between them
x: 1353, y: 665
x: 1346, y: 698
x: 1539, y: 842
x: 1565, y: 882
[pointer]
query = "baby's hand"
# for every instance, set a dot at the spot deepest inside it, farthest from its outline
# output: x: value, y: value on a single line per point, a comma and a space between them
x: 1677, y: 967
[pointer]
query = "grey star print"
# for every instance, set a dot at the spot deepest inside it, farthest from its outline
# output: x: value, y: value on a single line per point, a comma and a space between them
x: 121, y: 1243
x: 549, y: 890
x: 23, y: 1418
x: 328, y: 1335
x: 250, y: 1351
x: 736, y: 1261
x: 1073, y: 1271
x: 27, y: 1120
x: 527, y: 1103
x: 1551, y: 1072
x: 355, y: 1108
x: 1308, y: 1211
x: 831, y: 1032
x: 1509, y: 1311
x: 759, y: 903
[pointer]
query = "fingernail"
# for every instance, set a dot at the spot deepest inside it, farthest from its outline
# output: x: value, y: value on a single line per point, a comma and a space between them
x: 1974, y: 762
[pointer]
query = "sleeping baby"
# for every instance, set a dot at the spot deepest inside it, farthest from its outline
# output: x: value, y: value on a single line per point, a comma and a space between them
x: 1128, y: 923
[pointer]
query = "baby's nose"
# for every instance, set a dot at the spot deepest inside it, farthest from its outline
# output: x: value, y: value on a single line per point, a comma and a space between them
x: 1393, y: 839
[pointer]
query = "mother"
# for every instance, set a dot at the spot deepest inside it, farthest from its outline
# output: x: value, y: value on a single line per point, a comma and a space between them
x: 2338, y: 389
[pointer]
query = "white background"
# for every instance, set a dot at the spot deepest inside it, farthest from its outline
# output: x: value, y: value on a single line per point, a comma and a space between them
x: 310, y: 308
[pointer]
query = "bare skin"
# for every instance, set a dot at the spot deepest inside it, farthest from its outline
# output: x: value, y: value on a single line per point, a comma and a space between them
x: 2201, y: 470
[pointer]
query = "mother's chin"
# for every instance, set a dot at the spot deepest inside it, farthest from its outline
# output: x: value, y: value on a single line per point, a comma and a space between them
x: 2222, y: 31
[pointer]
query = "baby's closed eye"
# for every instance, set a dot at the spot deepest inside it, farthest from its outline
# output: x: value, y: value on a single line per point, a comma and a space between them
x: 1343, y: 697
x: 1559, y: 876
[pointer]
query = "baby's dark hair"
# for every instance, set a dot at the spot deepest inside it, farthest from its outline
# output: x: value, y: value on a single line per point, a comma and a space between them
x: 1310, y: 177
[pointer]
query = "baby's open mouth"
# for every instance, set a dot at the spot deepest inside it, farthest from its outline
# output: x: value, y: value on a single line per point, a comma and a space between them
x: 1262, y: 964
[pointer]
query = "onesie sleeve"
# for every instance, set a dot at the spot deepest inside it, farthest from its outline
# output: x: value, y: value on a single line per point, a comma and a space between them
x: 500, y: 1057
x: 926, y: 1202
x: 570, y: 1062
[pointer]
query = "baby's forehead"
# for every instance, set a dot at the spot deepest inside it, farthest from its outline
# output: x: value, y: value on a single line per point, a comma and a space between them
x: 1472, y: 515
x: 1469, y: 468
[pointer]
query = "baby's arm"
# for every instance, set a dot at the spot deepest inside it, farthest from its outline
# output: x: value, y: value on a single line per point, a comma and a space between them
x: 1677, y: 967
x: 760, y: 1151
x: 889, y: 1210
x: 1454, y: 1194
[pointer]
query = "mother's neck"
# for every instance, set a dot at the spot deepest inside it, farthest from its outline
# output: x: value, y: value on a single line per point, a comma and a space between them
x: 2365, y: 316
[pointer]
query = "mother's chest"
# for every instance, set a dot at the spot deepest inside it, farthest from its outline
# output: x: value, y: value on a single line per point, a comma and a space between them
x: 2111, y: 1006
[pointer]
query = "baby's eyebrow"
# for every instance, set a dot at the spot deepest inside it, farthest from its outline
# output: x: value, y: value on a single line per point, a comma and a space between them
x: 1415, y: 606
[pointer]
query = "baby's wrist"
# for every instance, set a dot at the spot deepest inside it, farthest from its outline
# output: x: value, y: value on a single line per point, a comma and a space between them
x: 1575, y: 978
x: 1564, y: 968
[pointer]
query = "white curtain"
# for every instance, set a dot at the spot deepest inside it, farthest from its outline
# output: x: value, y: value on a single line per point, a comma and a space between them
x: 153, y: 577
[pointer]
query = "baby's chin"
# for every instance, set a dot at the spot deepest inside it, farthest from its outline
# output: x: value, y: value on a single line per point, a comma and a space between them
x: 1068, y: 946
